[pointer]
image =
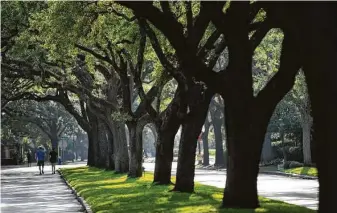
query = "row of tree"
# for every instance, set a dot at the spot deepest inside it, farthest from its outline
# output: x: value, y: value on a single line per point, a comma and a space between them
x: 109, y: 64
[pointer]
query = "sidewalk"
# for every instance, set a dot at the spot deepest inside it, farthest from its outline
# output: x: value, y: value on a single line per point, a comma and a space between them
x: 24, y: 190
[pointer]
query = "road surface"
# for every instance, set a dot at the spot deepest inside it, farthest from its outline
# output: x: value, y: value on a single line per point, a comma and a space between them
x: 291, y: 190
x: 23, y: 190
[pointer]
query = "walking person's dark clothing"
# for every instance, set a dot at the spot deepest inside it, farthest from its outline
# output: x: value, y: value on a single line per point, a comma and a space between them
x: 29, y: 158
x: 53, y: 159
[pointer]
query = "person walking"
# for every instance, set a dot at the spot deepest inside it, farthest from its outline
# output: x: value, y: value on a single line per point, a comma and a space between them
x: 40, y: 155
x: 29, y: 158
x: 53, y: 159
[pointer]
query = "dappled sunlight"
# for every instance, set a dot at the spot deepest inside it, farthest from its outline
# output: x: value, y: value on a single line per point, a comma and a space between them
x: 311, y: 171
x: 106, y: 191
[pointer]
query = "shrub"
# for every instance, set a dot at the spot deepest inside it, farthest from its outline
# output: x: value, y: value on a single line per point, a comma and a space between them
x: 293, y: 153
x: 294, y: 164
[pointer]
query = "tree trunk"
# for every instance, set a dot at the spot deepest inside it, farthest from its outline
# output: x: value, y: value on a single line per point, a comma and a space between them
x: 284, y: 147
x: 219, y: 152
x: 134, y: 170
x: 320, y: 69
x: 306, y: 132
x: 191, y: 129
x: 167, y: 129
x: 199, y: 152
x: 102, y: 146
x: 136, y: 148
x: 243, y: 161
x: 164, y: 155
x: 54, y: 142
x: 111, y: 149
x: 121, y: 156
x: 205, y: 144
x: 267, y: 152
x: 92, y: 144
x: 243, y: 155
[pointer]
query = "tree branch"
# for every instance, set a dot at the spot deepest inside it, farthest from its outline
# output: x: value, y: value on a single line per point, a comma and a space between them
x: 92, y: 52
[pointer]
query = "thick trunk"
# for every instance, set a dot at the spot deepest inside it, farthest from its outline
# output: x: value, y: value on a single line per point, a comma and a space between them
x: 111, y: 150
x: 267, y: 152
x: 167, y: 129
x: 164, y: 155
x: 243, y: 155
x: 205, y: 144
x: 92, y: 144
x: 102, y: 146
x: 54, y: 142
x: 219, y: 152
x: 136, y: 148
x: 306, y: 139
x: 191, y: 129
x: 244, y: 151
x: 121, y: 156
x: 320, y: 69
x: 247, y: 118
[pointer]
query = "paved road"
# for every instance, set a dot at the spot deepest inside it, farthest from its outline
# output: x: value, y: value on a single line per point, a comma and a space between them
x: 291, y: 190
x: 23, y: 190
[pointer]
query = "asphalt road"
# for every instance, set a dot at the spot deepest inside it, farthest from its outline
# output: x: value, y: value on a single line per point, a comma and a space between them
x: 23, y: 190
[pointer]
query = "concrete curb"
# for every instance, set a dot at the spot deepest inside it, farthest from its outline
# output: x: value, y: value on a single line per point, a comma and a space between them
x: 84, y: 204
x: 289, y: 175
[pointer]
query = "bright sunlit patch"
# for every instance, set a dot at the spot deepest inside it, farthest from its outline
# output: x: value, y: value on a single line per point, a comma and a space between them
x: 106, y: 191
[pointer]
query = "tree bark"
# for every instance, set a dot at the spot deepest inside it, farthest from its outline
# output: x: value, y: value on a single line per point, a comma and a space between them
x: 111, y: 149
x: 191, y: 129
x: 267, y: 152
x: 247, y: 117
x: 205, y: 143
x: 164, y: 155
x: 168, y: 126
x: 219, y: 152
x: 102, y: 146
x: 136, y: 146
x: 306, y: 132
x: 199, y: 151
x: 121, y: 155
x: 134, y: 167
x: 54, y: 142
x: 92, y: 144
x: 320, y: 69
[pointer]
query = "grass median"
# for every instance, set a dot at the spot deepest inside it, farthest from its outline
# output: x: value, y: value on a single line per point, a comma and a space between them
x: 310, y: 171
x: 106, y: 192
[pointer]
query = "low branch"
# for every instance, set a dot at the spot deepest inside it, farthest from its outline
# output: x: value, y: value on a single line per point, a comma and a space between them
x: 94, y: 53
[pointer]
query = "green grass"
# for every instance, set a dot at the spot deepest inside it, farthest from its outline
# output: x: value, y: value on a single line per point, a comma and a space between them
x: 211, y: 152
x: 310, y: 171
x: 105, y: 191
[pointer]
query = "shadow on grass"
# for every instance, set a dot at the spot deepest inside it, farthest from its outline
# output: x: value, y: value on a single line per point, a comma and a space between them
x: 108, y: 192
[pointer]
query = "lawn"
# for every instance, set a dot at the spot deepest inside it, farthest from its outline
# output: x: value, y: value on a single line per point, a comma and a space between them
x: 211, y: 152
x: 105, y: 191
x: 310, y: 171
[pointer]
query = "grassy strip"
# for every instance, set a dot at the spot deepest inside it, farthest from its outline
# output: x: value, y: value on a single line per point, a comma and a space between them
x: 105, y: 191
x: 211, y: 152
x: 310, y: 171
